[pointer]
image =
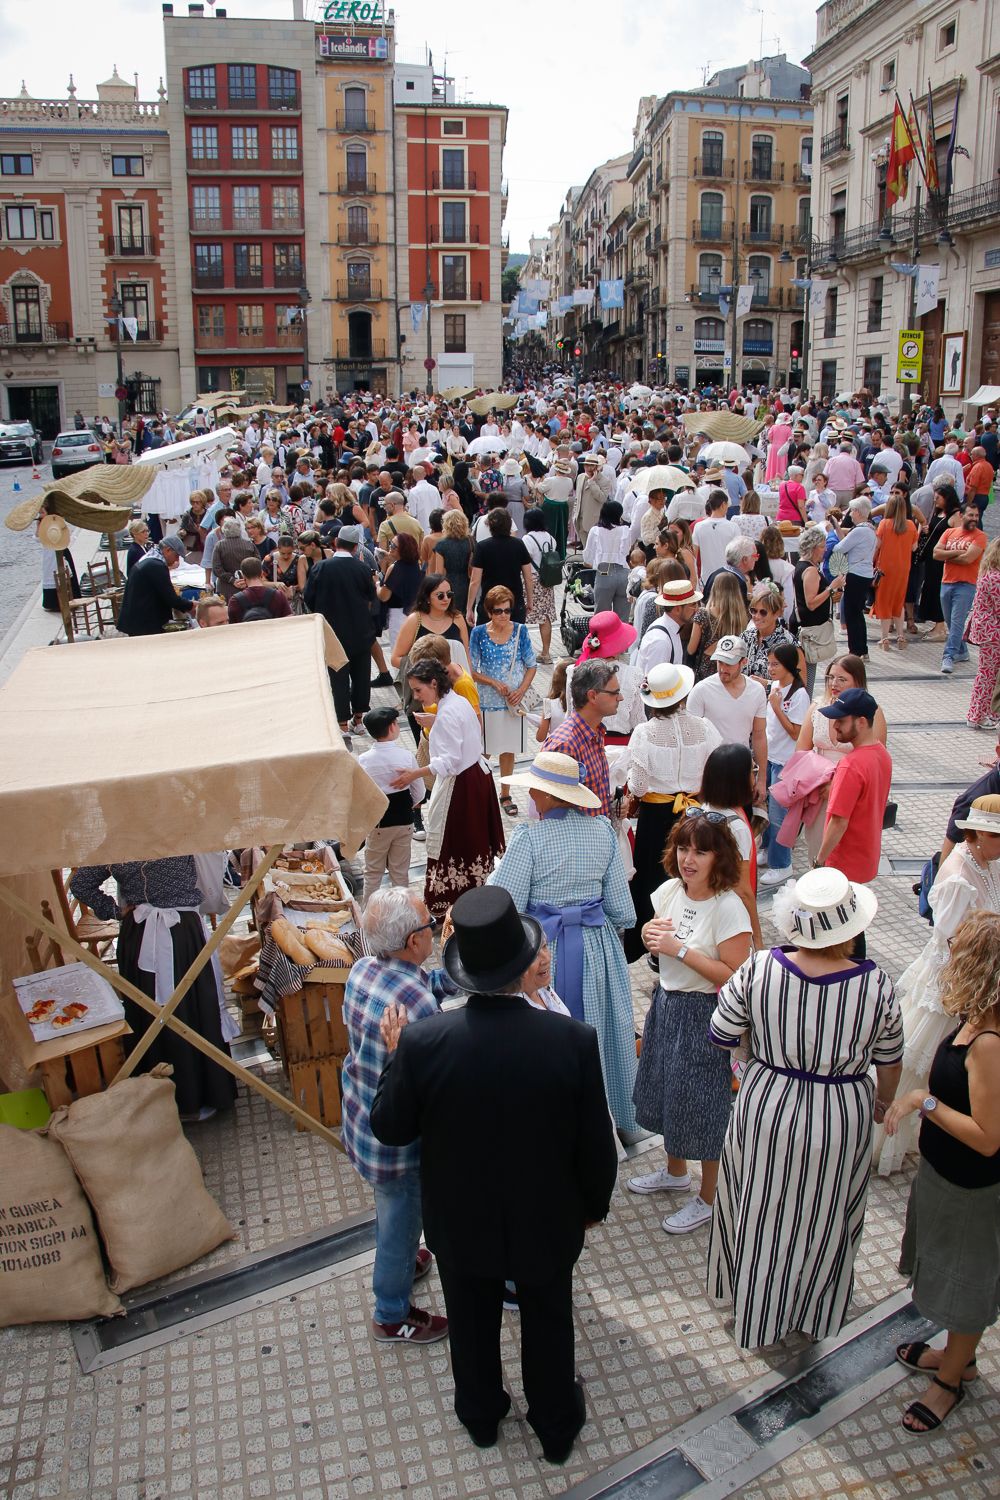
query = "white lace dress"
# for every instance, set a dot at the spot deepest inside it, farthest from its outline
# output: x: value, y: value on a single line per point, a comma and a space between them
x: 962, y: 886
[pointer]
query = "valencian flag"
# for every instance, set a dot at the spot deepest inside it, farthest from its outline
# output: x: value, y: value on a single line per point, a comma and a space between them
x: 901, y: 153
x: 930, y: 151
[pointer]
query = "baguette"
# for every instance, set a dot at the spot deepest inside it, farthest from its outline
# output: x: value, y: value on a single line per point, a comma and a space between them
x: 286, y: 935
x: 326, y: 947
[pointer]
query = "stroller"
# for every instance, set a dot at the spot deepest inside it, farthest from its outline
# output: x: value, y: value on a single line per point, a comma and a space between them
x: 577, y: 602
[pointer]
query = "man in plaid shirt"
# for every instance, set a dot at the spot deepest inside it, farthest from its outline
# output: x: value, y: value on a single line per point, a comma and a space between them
x: 398, y: 930
x: 596, y: 696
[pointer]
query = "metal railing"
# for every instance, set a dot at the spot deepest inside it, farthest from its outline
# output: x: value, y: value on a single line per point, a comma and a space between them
x: 712, y: 230
x: 802, y: 172
x: 346, y: 349
x: 469, y: 235
x: 288, y: 275
x: 715, y: 168
x: 290, y: 99
x: 205, y: 223
x: 764, y: 171
x: 252, y: 276
x: 360, y: 291
x: 148, y: 332
x: 763, y: 234
x: 453, y: 182
x: 353, y: 182
x: 130, y: 244
x: 360, y: 122
x: 469, y: 291
x: 208, y: 276
x: 354, y: 234
x: 271, y: 336
x: 45, y: 333
x: 833, y: 143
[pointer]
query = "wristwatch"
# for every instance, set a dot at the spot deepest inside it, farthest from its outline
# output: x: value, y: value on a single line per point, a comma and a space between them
x: 928, y: 1107
x: 682, y: 952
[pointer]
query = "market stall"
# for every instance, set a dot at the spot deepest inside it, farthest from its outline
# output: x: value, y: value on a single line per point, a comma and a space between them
x: 157, y: 746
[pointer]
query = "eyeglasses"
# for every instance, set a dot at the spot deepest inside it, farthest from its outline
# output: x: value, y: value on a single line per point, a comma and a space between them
x: 441, y: 595
x: 424, y: 927
x: 762, y: 611
x: 611, y: 692
x: 501, y: 609
x: 710, y: 817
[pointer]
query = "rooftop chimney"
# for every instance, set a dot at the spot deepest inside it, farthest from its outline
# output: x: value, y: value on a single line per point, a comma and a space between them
x: 196, y: 10
x: 168, y: 10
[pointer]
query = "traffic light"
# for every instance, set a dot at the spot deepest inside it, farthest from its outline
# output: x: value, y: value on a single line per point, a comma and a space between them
x: 559, y: 343
x: 795, y: 354
x: 577, y: 351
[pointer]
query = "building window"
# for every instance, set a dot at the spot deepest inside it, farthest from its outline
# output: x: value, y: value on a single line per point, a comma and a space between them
x: 135, y: 304
x: 876, y: 289
x: 758, y: 336
x: 204, y: 142
x: 355, y: 109
x: 454, y: 333
x: 284, y: 143
x: 888, y: 74
x: 761, y: 158
x: 357, y: 168
x: 453, y: 223
x: 27, y: 306
x: 709, y: 331
x: 208, y: 265
x: 21, y: 223
x: 454, y: 282
x: 760, y: 217
x: 211, y: 320
x: 242, y: 83
x: 287, y: 265
x: 712, y: 145
x: 248, y: 262
x: 17, y: 166
x: 206, y: 207
x: 828, y: 379
x: 46, y: 224
x: 249, y: 320
x: 453, y: 127
x: 286, y: 207
x: 830, y: 316
x: 804, y: 224
x: 127, y: 166
x: 709, y: 275
x: 759, y: 277
x: 357, y: 225
x: 359, y: 278
x: 948, y: 35
x: 711, y: 215
x: 201, y: 86
x: 245, y: 146
x: 452, y: 169
x: 130, y: 238
x: 282, y: 88
x: 838, y: 217
x: 359, y: 330
x: 246, y: 207
x: 872, y: 377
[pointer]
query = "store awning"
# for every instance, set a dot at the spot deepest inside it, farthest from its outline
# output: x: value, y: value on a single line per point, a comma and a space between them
x: 208, y: 442
x: 985, y: 396
x: 175, y: 744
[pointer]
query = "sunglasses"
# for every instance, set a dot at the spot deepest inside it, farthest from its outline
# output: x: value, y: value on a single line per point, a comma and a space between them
x: 424, y: 927
x: 710, y: 817
x: 440, y: 595
x: 501, y: 609
x: 763, y: 611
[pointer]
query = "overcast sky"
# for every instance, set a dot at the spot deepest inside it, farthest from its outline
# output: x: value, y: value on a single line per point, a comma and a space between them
x: 570, y: 76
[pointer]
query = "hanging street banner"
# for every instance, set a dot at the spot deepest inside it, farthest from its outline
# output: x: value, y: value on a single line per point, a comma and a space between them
x: 928, y: 280
x: 565, y: 304
x: 613, y: 293
x: 910, y: 357
x: 744, y: 301
x: 416, y: 315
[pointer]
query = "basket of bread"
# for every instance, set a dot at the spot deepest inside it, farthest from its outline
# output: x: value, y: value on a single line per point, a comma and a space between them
x: 316, y: 943
x: 311, y: 891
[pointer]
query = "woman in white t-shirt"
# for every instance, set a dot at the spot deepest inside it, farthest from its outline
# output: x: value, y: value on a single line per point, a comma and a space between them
x: 787, y: 708
x: 700, y: 934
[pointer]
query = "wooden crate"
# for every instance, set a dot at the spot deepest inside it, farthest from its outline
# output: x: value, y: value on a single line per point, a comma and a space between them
x: 311, y: 1023
x: 86, y: 1071
x: 315, y: 1087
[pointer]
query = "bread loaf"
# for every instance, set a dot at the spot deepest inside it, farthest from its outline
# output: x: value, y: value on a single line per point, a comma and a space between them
x: 326, y: 947
x: 287, y: 937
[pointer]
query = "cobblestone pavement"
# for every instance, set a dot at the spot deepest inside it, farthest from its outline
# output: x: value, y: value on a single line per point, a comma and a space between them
x: 295, y: 1399
x: 20, y: 554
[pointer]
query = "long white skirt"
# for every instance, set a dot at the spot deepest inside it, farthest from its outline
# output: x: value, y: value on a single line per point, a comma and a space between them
x: 506, y: 733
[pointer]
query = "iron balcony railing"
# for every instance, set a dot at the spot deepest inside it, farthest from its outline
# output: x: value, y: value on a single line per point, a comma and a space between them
x: 834, y: 143
x: 120, y: 245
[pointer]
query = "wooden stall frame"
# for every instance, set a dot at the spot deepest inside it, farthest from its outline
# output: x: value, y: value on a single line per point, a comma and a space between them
x: 165, y: 1015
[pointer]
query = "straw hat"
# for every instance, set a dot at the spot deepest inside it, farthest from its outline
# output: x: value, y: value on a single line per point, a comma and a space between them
x: 983, y: 816
x: 678, y: 591
x: 665, y: 685
x: 53, y: 533
x: 822, y: 908
x: 510, y: 468
x: 560, y: 776
x: 561, y: 466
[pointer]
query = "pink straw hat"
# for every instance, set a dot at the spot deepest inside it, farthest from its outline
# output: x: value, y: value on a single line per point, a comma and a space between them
x: 607, y: 637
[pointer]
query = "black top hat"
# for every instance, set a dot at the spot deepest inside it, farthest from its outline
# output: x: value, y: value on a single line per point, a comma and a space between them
x: 491, y: 945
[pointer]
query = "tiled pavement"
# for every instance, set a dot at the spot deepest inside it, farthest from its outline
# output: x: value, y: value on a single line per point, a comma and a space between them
x: 295, y: 1399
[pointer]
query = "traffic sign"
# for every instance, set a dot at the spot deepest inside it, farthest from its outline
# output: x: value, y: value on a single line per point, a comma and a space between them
x: 305, y: 385
x: 910, y: 356
x: 429, y: 364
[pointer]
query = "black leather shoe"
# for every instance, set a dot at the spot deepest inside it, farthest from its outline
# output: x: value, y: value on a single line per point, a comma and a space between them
x: 486, y: 1436
x: 558, y: 1453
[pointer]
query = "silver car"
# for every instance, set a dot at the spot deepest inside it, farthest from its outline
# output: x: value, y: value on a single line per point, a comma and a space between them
x: 76, y: 450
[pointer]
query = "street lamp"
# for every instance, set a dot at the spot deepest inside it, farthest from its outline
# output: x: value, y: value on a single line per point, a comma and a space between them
x: 115, y: 305
x: 428, y: 298
x: 785, y: 259
x: 304, y: 300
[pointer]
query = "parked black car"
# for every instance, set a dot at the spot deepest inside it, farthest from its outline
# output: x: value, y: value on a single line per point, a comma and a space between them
x: 19, y: 443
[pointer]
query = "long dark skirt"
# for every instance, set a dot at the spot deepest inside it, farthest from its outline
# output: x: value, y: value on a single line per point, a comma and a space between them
x: 472, y: 843
x: 556, y: 513
x: 652, y: 830
x: 199, y: 1081
x: 930, y: 592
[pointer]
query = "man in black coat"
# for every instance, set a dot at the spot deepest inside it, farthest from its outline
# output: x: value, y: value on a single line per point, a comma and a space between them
x: 150, y: 600
x: 342, y: 590
x: 517, y: 1158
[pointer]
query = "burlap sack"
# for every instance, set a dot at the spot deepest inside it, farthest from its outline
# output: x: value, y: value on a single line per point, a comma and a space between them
x: 236, y: 952
x: 50, y: 1256
x: 142, y: 1178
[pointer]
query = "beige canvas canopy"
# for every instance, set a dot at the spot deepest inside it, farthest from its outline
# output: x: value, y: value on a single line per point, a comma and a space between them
x: 175, y: 744
x: 180, y: 743
x: 722, y: 426
x: 493, y: 401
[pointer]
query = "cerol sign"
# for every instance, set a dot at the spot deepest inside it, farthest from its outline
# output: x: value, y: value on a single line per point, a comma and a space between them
x: 372, y: 11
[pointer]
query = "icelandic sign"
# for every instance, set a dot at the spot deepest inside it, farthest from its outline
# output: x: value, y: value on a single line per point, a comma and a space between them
x: 361, y: 48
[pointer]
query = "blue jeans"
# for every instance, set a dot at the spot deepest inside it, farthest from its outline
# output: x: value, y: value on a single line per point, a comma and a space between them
x: 398, y: 1222
x: 956, y: 601
x: 778, y: 857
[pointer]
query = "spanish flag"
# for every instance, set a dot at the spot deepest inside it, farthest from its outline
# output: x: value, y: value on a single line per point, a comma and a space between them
x: 901, y: 152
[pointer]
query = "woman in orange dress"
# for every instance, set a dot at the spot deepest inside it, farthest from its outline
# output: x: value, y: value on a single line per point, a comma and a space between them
x: 896, y: 540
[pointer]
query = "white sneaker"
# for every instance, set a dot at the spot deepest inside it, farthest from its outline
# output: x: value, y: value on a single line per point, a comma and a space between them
x: 694, y: 1213
x: 775, y: 877
x: 658, y: 1182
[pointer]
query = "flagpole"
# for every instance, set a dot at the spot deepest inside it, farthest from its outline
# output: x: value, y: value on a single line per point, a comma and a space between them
x: 906, y: 405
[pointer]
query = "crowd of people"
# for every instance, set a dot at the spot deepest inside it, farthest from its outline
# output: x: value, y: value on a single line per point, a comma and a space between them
x: 713, y: 712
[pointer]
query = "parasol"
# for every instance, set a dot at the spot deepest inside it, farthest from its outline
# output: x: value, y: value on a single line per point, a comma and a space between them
x: 640, y: 390
x: 662, y: 477
x: 722, y: 426
x: 457, y: 392
x: 421, y: 456
x: 720, y: 453
x: 488, y: 445
x: 493, y: 400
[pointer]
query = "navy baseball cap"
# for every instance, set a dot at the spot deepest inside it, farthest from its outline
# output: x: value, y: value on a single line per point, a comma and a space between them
x: 855, y: 703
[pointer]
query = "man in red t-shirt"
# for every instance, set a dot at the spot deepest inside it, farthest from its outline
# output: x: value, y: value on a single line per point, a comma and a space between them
x: 859, y: 791
x: 960, y: 548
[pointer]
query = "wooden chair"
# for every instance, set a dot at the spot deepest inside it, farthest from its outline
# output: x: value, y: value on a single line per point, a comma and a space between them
x: 81, y: 923
x: 91, y: 614
x: 72, y: 1066
x: 100, y: 575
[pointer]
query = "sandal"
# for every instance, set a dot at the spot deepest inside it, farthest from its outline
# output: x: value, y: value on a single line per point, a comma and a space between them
x: 509, y: 806
x: 910, y: 1355
x: 885, y: 643
x: 928, y: 1418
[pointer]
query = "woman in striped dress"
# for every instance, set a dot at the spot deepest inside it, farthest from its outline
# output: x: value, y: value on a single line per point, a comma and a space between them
x: 793, y: 1183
